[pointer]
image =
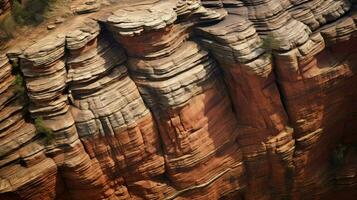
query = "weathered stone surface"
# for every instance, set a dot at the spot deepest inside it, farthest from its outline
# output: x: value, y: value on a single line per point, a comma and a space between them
x: 23, y: 163
x: 318, y: 115
x: 233, y: 41
x: 317, y: 13
x: 4, y: 6
x: 178, y: 99
x: 112, y: 120
x: 135, y: 22
x: 87, y: 7
x: 85, y: 32
x: 181, y: 84
x: 45, y: 76
x: 172, y: 81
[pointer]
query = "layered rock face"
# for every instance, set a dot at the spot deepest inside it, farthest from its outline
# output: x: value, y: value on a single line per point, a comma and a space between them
x: 250, y: 99
x: 182, y: 86
x: 4, y: 6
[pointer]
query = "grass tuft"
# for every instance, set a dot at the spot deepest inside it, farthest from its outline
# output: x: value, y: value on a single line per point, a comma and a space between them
x: 338, y: 155
x: 43, y: 130
x: 270, y: 43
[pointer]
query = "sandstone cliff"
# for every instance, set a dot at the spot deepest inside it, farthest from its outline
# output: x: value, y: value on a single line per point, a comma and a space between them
x: 179, y: 99
x: 4, y: 6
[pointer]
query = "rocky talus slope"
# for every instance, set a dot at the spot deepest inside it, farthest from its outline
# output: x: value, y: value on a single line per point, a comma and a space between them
x: 183, y: 99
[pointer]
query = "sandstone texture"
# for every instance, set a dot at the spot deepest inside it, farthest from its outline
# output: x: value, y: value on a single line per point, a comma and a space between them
x: 183, y: 99
x: 4, y: 6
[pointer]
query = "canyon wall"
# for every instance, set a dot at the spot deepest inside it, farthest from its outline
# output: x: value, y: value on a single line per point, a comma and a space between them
x: 176, y: 99
x: 4, y: 6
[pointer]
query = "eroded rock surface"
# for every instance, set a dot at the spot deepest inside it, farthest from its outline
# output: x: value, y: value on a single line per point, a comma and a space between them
x: 178, y: 99
x: 4, y: 6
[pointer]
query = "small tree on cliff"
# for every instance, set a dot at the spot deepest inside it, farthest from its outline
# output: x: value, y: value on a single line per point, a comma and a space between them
x: 270, y: 43
x: 31, y: 12
x: 43, y: 130
x: 19, y: 87
x: 338, y: 155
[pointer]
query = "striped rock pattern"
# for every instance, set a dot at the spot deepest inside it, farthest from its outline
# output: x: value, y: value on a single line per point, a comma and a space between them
x: 4, y: 6
x: 184, y: 99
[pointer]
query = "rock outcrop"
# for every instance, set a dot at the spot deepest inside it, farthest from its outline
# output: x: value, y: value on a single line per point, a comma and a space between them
x: 211, y: 99
x: 4, y: 6
x: 264, y: 135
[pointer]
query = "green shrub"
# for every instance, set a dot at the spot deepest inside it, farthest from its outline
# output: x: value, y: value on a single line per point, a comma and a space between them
x: 19, y: 85
x: 19, y: 89
x: 43, y: 130
x: 270, y: 43
x: 286, y: 197
x: 339, y: 155
x: 15, y: 67
x: 7, y: 27
x: 31, y: 13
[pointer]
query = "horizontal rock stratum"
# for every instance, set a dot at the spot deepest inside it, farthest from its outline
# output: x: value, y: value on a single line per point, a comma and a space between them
x: 183, y: 99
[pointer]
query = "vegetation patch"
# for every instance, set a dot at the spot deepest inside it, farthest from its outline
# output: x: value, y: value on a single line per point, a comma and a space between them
x: 339, y: 154
x: 31, y: 12
x: 270, y: 43
x: 19, y: 85
x: 7, y: 27
x: 43, y: 130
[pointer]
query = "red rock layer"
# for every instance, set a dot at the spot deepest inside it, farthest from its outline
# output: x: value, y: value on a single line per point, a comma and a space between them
x: 324, y: 104
x: 251, y: 99
x: 23, y: 162
x: 45, y: 75
x: 115, y: 126
x: 265, y: 137
x: 319, y: 100
x: 182, y: 86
